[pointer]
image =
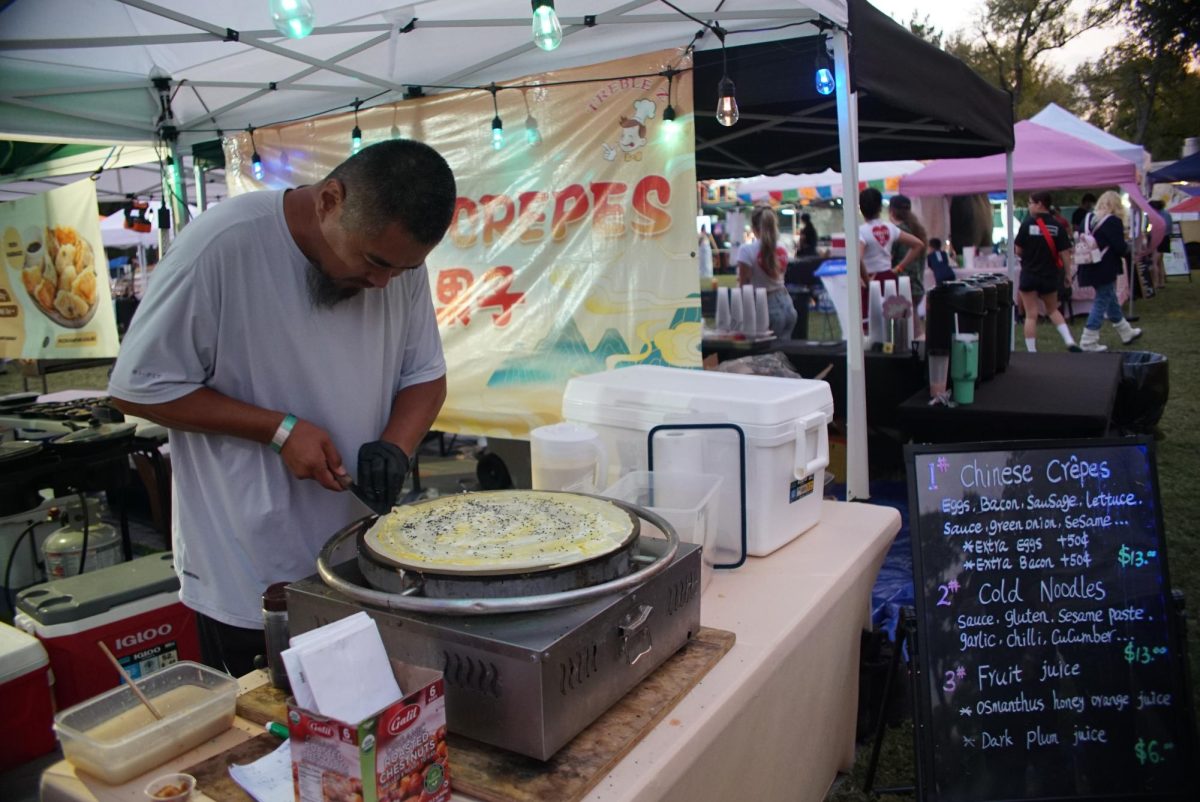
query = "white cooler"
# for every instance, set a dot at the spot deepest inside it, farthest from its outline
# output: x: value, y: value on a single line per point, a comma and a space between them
x: 785, y: 425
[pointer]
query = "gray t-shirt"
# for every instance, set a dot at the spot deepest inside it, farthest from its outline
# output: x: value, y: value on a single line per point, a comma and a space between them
x: 228, y: 308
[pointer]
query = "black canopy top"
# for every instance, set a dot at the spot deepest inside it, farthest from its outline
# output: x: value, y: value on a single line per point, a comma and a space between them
x: 914, y: 102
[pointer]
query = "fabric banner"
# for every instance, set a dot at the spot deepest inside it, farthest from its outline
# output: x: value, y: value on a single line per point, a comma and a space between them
x: 572, y: 246
x: 54, y: 295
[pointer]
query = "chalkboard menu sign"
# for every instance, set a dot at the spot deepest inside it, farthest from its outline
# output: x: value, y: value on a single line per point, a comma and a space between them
x: 1049, y: 661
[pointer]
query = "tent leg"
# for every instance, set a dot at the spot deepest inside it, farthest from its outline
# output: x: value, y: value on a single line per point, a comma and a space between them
x: 857, y: 472
x: 1010, y: 247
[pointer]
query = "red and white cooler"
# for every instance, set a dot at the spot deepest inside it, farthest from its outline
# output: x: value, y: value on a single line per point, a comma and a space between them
x: 25, y: 698
x: 132, y: 607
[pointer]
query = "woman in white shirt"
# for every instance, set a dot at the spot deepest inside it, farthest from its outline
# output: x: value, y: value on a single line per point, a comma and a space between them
x: 762, y: 263
x: 876, y: 239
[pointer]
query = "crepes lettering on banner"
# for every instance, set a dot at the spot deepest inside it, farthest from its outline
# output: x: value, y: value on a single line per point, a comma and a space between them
x: 571, y: 249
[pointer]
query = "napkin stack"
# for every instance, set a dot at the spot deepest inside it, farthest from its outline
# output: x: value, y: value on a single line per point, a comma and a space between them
x: 341, y: 670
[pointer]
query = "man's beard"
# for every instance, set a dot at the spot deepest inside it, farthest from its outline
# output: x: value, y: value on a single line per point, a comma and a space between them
x: 323, y: 292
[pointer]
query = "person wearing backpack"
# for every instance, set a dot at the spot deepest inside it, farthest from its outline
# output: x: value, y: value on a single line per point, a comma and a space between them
x: 1044, y: 247
x: 1099, y: 253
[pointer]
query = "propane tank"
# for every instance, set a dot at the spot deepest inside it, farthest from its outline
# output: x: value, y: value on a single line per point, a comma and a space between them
x: 63, y: 548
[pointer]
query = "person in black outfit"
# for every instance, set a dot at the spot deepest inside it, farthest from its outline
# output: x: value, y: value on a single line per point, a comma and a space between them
x: 1086, y: 204
x: 1107, y: 225
x: 1044, y: 247
x: 806, y: 244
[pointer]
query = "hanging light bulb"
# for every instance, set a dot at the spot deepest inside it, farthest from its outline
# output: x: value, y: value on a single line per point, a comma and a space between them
x: 395, y: 131
x: 256, y: 164
x: 497, y: 133
x: 727, y: 110
x: 547, y: 31
x: 670, y: 127
x: 292, y: 18
x: 356, y: 134
x: 823, y: 75
x: 497, y: 126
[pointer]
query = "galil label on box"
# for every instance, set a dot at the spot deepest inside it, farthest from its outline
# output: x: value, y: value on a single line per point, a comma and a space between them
x: 397, y: 755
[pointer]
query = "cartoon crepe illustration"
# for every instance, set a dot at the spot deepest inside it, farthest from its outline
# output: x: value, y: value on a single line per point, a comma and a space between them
x: 633, y: 132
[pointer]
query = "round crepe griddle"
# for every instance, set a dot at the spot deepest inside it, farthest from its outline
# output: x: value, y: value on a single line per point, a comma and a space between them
x: 373, y: 555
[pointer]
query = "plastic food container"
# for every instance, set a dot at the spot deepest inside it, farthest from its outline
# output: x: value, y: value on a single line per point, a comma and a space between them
x: 115, y: 738
x: 688, y: 501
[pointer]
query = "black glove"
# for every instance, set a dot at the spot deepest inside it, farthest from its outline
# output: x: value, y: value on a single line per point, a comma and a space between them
x: 381, y: 471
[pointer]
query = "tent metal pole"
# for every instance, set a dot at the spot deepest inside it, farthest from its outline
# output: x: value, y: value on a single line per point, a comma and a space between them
x: 1010, y: 247
x: 198, y: 173
x: 857, y: 473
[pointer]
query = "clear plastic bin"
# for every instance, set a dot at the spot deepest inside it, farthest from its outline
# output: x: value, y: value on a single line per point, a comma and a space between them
x: 115, y: 738
x: 688, y: 501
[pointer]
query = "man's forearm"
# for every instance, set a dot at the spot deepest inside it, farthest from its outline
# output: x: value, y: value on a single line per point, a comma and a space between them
x: 413, y: 412
x: 206, y: 410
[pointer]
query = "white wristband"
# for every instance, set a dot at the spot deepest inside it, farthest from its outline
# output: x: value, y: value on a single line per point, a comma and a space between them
x: 283, y: 432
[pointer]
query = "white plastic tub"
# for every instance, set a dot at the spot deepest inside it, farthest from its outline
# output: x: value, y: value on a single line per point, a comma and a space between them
x: 688, y: 502
x: 786, y: 437
x: 115, y: 738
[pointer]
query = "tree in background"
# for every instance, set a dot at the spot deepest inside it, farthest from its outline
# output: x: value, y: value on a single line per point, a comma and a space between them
x: 1009, y: 37
x: 1147, y: 88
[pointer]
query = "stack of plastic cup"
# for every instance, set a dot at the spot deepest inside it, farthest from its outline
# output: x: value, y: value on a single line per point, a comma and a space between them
x: 964, y: 366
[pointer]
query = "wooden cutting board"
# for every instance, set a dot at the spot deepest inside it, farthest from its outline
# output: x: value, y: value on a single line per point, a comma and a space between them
x: 496, y: 775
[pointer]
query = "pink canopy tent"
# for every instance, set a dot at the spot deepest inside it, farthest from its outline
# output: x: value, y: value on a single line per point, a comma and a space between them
x: 1042, y: 159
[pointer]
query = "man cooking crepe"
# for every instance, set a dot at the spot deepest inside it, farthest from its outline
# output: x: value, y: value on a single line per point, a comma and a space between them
x: 282, y: 330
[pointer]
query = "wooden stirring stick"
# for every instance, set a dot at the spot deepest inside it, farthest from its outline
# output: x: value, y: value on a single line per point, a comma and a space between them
x: 129, y: 680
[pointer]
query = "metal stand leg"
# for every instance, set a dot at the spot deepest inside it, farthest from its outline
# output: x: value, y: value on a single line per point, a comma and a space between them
x: 905, y: 632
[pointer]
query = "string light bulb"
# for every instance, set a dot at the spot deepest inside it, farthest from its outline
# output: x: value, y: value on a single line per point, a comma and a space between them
x: 532, y: 135
x: 356, y: 134
x: 727, y: 110
x: 670, y: 128
x: 823, y: 74
x: 497, y: 126
x: 547, y: 31
x: 256, y: 165
x: 292, y: 18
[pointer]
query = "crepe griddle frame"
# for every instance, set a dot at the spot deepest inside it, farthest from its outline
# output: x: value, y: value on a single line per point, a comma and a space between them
x: 395, y: 576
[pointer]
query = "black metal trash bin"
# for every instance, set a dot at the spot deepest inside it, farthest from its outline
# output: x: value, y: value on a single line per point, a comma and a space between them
x: 1142, y: 393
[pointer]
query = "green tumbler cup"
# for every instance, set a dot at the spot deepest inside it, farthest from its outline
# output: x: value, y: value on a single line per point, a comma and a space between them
x: 964, y: 367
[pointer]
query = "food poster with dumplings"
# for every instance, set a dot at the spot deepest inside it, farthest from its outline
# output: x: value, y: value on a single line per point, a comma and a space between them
x: 572, y: 248
x: 54, y: 295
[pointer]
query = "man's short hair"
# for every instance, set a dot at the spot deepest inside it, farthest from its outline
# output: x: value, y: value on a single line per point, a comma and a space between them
x: 935, y: 243
x: 398, y: 181
x: 1043, y: 197
x: 1087, y: 198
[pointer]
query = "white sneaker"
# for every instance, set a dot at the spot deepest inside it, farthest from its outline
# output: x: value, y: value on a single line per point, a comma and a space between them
x: 1090, y: 341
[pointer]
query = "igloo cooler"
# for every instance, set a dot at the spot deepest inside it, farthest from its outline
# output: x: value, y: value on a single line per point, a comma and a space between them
x: 25, y: 698
x: 784, y: 422
x: 133, y: 607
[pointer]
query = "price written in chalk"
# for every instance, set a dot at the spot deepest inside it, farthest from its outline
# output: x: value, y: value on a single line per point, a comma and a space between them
x: 1143, y: 655
x: 1135, y: 557
x: 1151, y: 751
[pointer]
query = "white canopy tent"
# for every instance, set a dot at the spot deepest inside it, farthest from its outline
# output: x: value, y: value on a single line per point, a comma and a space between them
x: 868, y: 171
x: 1059, y: 119
x: 177, y: 73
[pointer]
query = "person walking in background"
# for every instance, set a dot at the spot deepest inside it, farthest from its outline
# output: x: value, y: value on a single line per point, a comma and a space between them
x: 939, y: 262
x: 1107, y: 227
x: 762, y: 263
x: 1159, y: 272
x: 1043, y: 247
x: 877, y: 239
x: 1086, y: 204
x: 806, y: 244
x: 705, y: 252
x: 900, y: 212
